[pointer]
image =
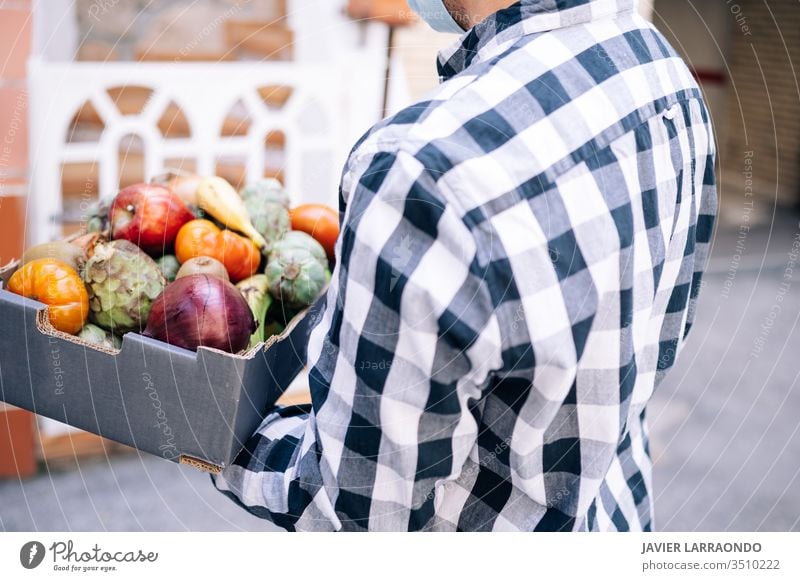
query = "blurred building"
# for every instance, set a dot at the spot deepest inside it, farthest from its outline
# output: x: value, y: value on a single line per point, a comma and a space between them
x: 745, y: 54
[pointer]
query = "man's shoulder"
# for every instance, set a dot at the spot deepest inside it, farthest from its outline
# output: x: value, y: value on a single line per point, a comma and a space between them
x: 536, y: 107
x: 435, y: 116
x: 441, y: 131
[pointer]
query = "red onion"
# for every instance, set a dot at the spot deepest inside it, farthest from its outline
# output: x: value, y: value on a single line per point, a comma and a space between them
x: 202, y: 310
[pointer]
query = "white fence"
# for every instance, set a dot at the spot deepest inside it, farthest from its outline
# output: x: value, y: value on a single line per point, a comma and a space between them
x: 336, y: 82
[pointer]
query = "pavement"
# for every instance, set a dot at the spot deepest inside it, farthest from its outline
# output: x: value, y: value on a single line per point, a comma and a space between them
x: 725, y: 434
x: 724, y: 424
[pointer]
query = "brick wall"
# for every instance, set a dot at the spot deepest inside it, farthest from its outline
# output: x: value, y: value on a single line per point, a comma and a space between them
x: 15, y: 43
x: 16, y: 426
x: 763, y: 112
x: 117, y: 30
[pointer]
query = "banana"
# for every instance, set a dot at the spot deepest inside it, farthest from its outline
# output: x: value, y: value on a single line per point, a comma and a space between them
x: 217, y: 197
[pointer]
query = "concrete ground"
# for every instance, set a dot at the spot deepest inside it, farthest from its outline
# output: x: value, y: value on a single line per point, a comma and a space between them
x: 724, y: 425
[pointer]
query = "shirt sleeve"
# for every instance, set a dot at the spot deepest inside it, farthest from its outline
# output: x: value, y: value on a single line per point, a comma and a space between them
x: 397, y: 364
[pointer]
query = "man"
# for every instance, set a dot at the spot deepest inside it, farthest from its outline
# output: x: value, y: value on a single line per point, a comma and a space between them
x: 518, y: 268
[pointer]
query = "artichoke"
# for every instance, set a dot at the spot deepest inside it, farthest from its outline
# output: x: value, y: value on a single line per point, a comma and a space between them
x: 169, y: 266
x: 297, y: 239
x: 122, y: 282
x: 268, y: 205
x: 270, y: 219
x: 97, y: 336
x: 266, y: 190
x: 296, y: 277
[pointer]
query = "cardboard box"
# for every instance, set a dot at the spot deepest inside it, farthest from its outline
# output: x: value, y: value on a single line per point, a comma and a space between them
x: 193, y: 408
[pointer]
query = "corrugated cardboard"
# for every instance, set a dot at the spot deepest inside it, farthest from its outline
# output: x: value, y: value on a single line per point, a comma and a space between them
x: 195, y: 408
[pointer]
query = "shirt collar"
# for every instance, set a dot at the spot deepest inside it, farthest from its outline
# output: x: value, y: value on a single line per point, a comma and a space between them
x: 497, y: 32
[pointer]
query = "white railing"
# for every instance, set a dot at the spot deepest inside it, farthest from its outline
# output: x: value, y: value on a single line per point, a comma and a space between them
x: 336, y: 82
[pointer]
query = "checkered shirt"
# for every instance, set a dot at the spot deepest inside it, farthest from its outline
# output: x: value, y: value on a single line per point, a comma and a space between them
x: 519, y: 264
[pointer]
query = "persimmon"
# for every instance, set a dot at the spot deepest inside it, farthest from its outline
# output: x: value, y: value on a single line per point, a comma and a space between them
x: 238, y: 254
x: 319, y: 220
x: 57, y: 285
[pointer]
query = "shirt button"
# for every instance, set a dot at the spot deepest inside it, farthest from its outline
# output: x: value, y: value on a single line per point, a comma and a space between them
x: 671, y: 112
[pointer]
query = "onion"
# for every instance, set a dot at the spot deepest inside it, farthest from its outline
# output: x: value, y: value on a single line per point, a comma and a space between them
x: 202, y: 310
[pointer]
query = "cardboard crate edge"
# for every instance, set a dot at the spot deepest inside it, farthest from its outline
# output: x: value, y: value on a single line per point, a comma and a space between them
x: 250, y: 386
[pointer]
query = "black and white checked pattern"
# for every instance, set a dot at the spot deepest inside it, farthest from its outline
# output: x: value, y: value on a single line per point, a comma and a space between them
x: 520, y: 260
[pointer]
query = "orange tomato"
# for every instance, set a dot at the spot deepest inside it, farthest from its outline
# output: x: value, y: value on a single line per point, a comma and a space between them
x: 238, y: 254
x: 319, y: 220
x: 57, y: 285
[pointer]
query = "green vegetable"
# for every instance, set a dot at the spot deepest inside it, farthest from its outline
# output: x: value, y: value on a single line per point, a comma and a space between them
x: 256, y: 292
x: 97, y: 215
x: 268, y: 205
x: 296, y: 277
x: 169, y: 266
x: 282, y: 314
x: 97, y: 336
x: 297, y: 239
x: 122, y: 282
x: 270, y: 219
x: 273, y: 328
x: 266, y: 190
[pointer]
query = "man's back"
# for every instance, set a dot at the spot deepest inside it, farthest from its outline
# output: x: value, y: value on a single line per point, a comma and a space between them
x: 518, y: 267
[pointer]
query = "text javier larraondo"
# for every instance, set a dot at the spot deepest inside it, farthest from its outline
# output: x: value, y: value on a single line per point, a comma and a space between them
x: 700, y: 547
x: 66, y: 556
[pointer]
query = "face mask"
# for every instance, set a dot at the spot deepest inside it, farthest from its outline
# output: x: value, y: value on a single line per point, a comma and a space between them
x: 436, y: 15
